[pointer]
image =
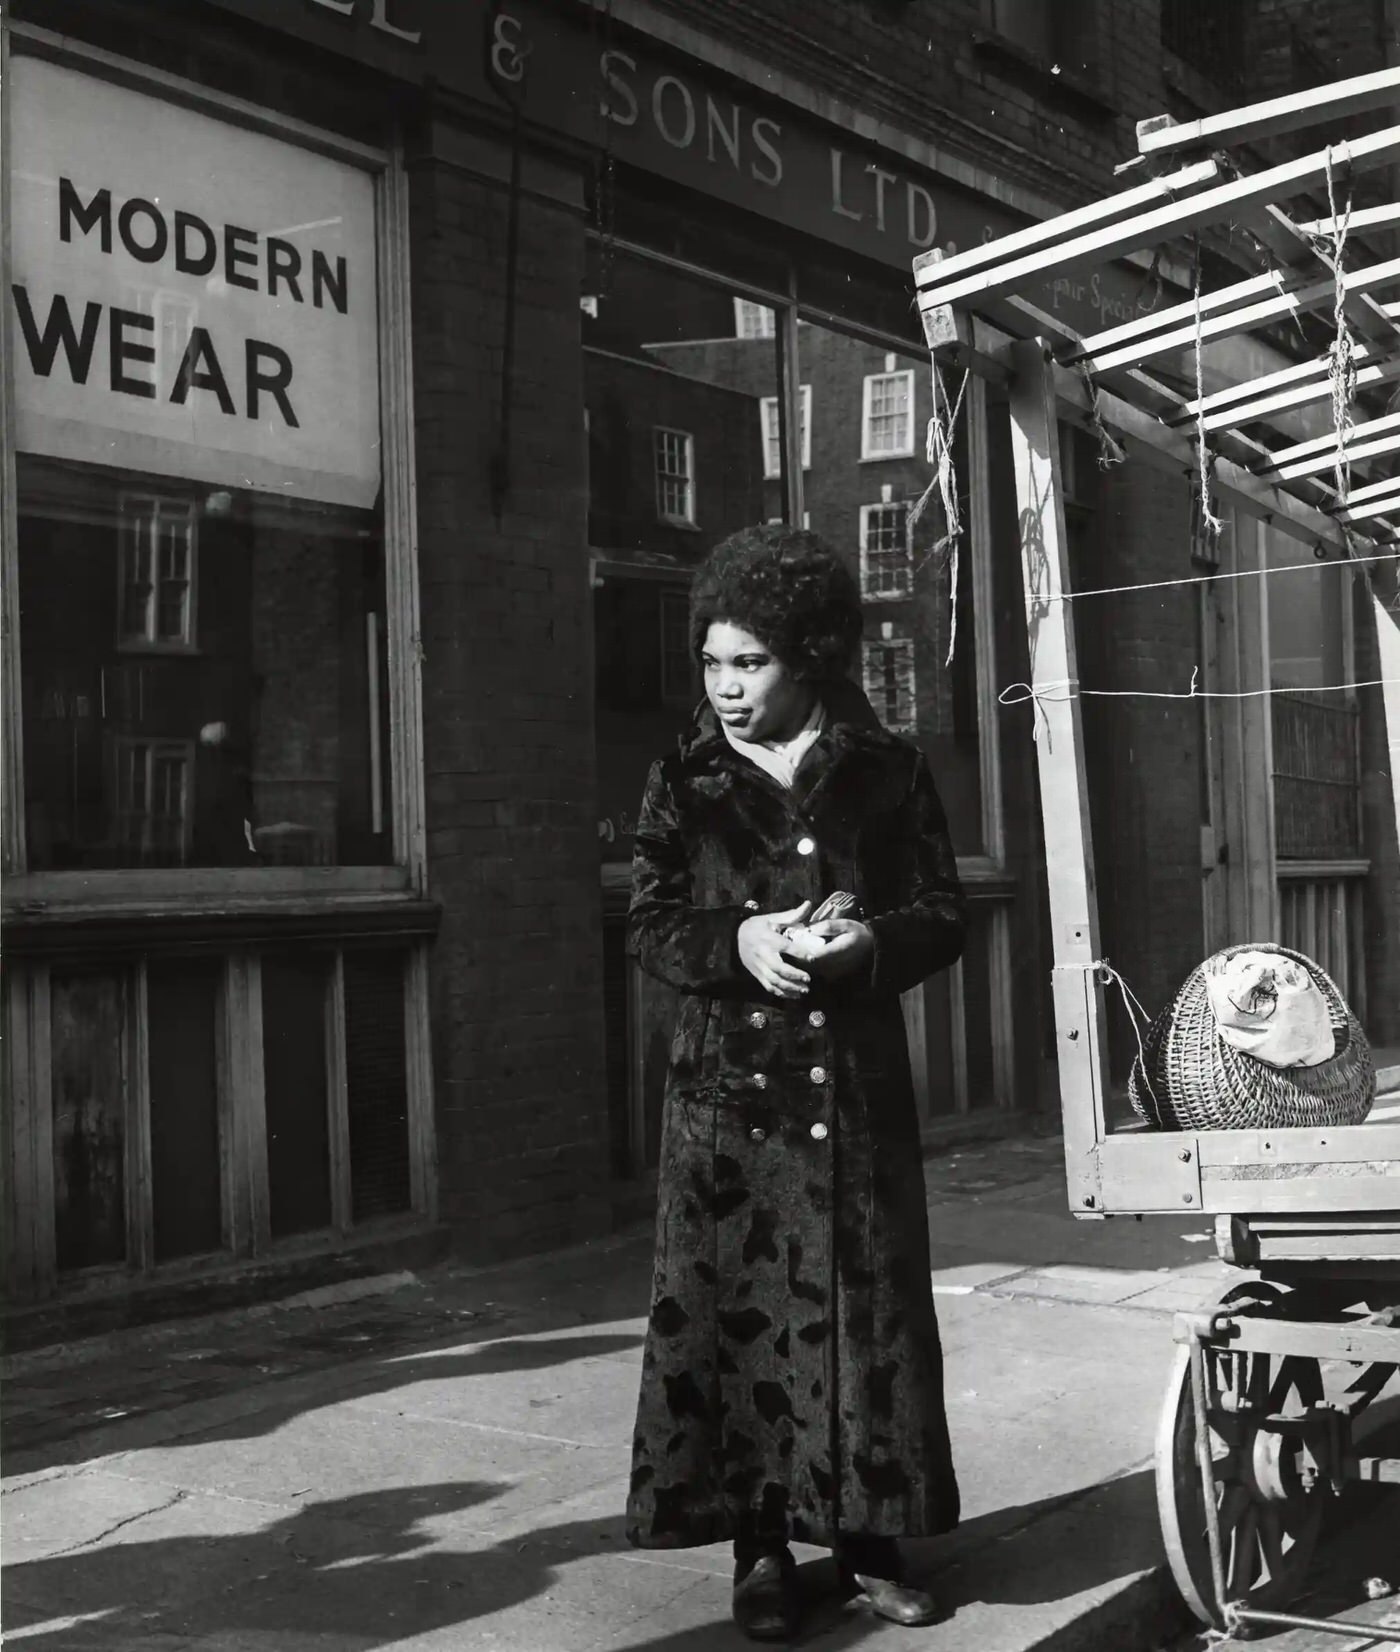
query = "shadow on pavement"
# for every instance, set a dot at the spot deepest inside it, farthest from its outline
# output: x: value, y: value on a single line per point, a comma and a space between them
x: 378, y: 1568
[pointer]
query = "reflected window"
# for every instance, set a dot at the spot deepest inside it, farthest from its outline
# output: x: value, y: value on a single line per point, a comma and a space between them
x: 157, y: 540
x: 772, y: 434
x: 677, y: 668
x: 887, y: 418
x: 675, y: 485
x: 752, y: 320
x: 886, y: 563
x: 887, y: 673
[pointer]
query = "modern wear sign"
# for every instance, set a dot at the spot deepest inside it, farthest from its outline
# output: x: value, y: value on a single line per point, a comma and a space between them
x: 189, y: 298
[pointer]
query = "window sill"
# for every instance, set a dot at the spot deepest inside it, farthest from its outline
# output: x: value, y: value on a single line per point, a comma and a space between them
x: 886, y: 596
x: 679, y: 522
x: 42, y: 921
x: 880, y: 458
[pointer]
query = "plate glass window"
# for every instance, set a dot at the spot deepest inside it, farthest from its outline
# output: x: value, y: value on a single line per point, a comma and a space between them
x: 887, y: 424
x: 675, y: 480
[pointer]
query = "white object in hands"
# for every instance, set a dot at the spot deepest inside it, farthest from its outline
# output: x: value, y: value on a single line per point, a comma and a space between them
x: 798, y: 940
x: 1271, y: 1008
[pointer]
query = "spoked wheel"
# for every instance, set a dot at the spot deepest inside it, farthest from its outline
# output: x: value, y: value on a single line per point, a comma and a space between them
x: 1269, y: 1514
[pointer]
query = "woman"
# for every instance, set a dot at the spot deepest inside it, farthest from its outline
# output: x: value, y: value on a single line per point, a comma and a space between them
x: 792, y: 1379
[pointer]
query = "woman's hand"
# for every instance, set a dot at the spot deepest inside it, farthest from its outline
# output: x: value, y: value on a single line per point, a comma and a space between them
x: 849, y: 944
x: 761, y: 952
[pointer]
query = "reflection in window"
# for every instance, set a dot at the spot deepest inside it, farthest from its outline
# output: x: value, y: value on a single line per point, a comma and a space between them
x: 157, y: 538
x: 772, y: 434
x: 752, y: 320
x: 886, y: 565
x: 887, y: 673
x: 677, y: 671
x: 152, y: 802
x: 887, y: 425
x: 203, y: 675
x: 675, y: 499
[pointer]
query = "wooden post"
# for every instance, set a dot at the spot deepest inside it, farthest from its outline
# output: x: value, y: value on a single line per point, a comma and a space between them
x: 1064, y: 792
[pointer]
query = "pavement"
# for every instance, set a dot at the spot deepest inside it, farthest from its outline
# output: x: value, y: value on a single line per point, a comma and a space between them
x: 440, y: 1459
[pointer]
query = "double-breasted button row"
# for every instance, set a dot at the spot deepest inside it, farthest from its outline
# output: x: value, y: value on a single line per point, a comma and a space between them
x: 818, y: 1132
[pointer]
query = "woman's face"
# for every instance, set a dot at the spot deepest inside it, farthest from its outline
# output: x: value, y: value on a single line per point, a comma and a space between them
x: 752, y: 691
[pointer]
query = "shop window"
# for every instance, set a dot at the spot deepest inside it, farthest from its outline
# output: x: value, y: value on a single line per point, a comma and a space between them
x: 752, y: 320
x: 157, y: 548
x: 887, y: 416
x: 675, y: 476
x: 887, y: 674
x: 886, y: 562
x: 772, y: 435
x: 220, y: 654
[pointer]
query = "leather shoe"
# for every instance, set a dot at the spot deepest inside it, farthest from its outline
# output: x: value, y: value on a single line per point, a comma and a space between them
x: 898, y: 1602
x: 766, y: 1603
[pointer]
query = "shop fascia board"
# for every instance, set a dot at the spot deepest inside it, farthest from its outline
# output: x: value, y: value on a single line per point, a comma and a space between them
x: 488, y: 156
x: 641, y: 16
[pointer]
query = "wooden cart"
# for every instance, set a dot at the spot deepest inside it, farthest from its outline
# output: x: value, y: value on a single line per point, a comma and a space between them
x: 1265, y: 1417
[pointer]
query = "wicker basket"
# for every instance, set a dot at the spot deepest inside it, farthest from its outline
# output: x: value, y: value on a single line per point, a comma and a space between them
x: 1194, y: 1080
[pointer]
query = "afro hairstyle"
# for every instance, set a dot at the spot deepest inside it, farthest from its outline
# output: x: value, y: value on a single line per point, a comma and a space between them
x: 789, y: 589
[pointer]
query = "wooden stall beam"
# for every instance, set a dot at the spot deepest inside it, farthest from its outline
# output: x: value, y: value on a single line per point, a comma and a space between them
x: 1146, y: 229
x: 1301, y: 372
x: 1360, y: 218
x: 1175, y: 451
x: 1109, y: 209
x: 1373, y: 490
x: 1328, y: 444
x: 1064, y: 795
x: 1355, y: 453
x: 1280, y: 401
x: 1246, y: 317
x: 1254, y: 122
x: 1373, y: 507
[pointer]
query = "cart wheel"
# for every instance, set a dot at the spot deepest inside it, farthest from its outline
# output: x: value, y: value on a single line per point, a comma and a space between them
x: 1268, y: 1517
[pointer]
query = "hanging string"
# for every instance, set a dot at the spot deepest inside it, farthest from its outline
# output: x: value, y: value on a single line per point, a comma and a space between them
x: 1210, y: 579
x: 1064, y: 689
x: 1111, y: 450
x: 1138, y: 1018
x: 1342, y: 351
x: 1211, y: 524
x: 938, y: 449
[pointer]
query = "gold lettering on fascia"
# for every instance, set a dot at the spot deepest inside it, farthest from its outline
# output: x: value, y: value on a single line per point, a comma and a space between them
x: 684, y: 119
x: 378, y: 18
x: 851, y: 199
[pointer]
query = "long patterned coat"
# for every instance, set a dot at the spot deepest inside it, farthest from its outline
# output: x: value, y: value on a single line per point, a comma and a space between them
x: 792, y: 1368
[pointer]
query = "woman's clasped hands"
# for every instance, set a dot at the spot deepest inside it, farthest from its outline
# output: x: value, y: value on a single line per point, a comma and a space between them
x: 773, y: 944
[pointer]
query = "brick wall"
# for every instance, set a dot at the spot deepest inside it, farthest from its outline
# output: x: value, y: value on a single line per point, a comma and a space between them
x: 512, y: 837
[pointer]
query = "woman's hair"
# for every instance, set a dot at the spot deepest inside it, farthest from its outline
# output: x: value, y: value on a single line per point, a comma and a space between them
x: 790, y: 590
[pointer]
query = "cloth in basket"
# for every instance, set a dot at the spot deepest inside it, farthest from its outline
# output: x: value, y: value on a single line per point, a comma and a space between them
x: 1188, y: 1077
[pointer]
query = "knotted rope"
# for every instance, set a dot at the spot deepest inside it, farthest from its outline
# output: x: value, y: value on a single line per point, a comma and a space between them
x: 938, y: 449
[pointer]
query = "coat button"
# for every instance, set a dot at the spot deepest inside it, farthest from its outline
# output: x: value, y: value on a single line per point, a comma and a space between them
x: 817, y: 1018
x: 805, y: 845
x: 750, y: 906
x: 760, y: 1081
x: 818, y: 1075
x: 819, y: 1131
x: 758, y: 1134
x: 758, y: 1019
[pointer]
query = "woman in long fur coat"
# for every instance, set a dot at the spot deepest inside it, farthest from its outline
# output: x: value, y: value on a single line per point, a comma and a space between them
x: 792, y: 1379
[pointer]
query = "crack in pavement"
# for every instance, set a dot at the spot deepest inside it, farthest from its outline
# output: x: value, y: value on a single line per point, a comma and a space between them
x: 126, y: 1520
